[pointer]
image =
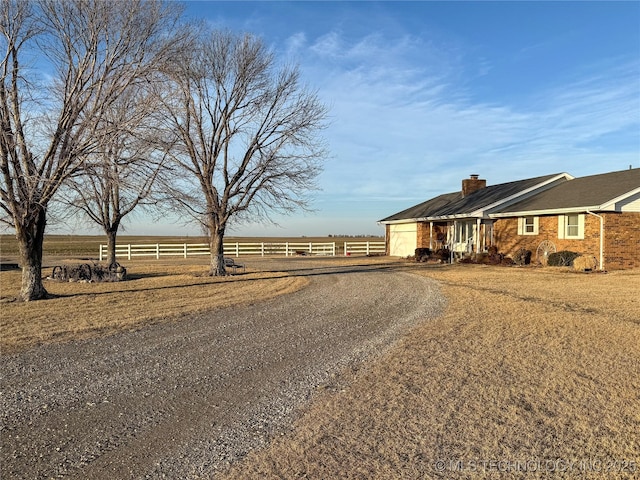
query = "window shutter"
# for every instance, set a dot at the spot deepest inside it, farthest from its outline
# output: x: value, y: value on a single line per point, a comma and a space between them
x: 520, y: 225
x: 581, y: 225
x: 535, y: 225
x: 562, y: 221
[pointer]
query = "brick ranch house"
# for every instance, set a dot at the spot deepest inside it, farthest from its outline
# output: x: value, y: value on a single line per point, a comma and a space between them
x: 596, y: 215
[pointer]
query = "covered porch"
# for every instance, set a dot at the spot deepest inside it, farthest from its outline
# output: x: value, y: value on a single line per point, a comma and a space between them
x: 461, y: 236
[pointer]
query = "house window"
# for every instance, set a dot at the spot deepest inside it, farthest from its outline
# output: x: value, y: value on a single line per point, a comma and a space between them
x: 528, y: 226
x: 571, y: 226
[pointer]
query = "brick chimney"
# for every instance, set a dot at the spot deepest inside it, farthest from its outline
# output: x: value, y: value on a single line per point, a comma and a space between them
x: 472, y: 184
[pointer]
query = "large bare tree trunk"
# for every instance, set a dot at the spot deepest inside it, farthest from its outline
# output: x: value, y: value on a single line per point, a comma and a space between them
x: 30, y: 241
x: 111, y: 246
x: 217, y: 252
x: 96, y: 51
x: 243, y: 134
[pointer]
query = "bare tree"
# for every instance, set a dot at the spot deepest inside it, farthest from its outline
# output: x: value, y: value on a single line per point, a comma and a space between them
x: 120, y: 175
x: 94, y: 50
x: 246, y: 135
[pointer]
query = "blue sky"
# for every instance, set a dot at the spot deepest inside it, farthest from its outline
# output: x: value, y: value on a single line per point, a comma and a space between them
x: 423, y: 94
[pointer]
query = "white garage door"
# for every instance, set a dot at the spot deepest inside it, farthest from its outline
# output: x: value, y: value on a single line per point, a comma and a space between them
x: 403, y: 239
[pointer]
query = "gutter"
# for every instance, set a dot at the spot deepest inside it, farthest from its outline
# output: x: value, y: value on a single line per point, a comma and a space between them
x: 601, y: 237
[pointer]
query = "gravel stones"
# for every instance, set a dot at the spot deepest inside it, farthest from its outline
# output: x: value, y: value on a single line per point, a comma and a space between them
x: 184, y: 399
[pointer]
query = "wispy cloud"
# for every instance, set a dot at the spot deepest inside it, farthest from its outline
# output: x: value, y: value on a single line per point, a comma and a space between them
x: 401, y: 125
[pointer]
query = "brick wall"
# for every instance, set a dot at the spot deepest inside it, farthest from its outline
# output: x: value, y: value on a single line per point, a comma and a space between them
x: 423, y: 234
x: 387, y: 237
x: 621, y: 247
x: 622, y: 240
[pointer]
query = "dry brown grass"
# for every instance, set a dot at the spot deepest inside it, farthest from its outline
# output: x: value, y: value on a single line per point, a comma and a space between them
x: 529, y: 373
x: 155, y: 293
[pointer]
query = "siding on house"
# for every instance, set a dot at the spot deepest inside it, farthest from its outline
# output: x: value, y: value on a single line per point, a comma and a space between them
x: 632, y: 205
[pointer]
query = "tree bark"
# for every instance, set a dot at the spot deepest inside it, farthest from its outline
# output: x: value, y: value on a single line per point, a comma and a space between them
x: 30, y: 241
x: 111, y: 246
x: 217, y: 251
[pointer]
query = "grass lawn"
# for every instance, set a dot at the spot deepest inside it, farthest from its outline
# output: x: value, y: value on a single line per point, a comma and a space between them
x: 530, y: 373
x: 155, y: 292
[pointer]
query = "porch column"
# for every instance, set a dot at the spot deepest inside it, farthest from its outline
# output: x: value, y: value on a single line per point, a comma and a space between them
x: 430, y: 235
x: 454, y: 236
x: 478, y: 223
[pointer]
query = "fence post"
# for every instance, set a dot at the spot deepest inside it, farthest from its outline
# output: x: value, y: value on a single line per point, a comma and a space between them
x: 157, y: 251
x: 310, y: 248
x: 185, y: 250
x: 237, y: 250
x: 262, y: 249
x: 345, y: 249
x: 128, y: 251
x: 367, y: 247
x: 334, y: 248
x: 286, y: 249
x: 100, y: 254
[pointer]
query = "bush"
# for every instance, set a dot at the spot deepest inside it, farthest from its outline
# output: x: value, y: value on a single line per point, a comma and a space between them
x: 563, y: 258
x: 422, y: 254
x: 585, y: 263
x: 443, y: 254
x: 522, y: 257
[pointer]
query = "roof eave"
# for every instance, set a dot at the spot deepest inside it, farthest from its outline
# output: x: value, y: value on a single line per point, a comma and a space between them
x: 548, y: 211
x: 611, y: 204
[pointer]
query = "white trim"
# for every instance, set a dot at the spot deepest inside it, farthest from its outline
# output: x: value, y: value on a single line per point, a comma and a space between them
x: 522, y: 225
x: 479, y: 213
x: 523, y: 193
x: 611, y: 204
x: 431, y: 235
x: 562, y: 221
x: 399, y: 222
x: 563, y: 227
x: 551, y: 211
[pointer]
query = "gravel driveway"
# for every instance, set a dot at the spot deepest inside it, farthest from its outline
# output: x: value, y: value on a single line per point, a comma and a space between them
x: 185, y: 399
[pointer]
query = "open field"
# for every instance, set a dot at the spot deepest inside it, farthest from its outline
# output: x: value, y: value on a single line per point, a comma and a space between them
x: 89, y: 245
x: 530, y: 373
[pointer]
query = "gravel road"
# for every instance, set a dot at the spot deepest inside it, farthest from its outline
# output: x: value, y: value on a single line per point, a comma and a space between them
x: 184, y: 399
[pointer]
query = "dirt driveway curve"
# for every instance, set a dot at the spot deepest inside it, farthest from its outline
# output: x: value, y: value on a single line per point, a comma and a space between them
x: 184, y: 399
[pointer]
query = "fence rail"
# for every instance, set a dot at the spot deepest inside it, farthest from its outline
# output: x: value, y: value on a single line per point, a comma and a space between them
x: 237, y: 249
x: 364, y: 248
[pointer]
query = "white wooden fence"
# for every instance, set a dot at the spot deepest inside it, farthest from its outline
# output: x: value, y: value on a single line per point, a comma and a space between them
x: 364, y: 248
x: 237, y: 249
